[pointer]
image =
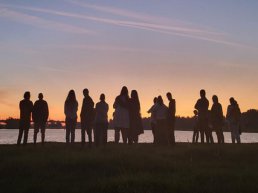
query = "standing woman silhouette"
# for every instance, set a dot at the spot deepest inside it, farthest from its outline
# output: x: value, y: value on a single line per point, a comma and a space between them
x: 121, y: 115
x: 70, y: 110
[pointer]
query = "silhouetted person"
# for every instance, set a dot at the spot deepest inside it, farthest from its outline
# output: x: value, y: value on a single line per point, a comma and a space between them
x: 171, y: 118
x: 153, y: 119
x: 161, y: 111
x: 26, y: 107
x: 87, y: 117
x: 136, y: 127
x: 70, y: 110
x: 196, y: 127
x: 121, y: 115
x: 234, y: 120
x: 101, y: 121
x: 40, y: 116
x: 217, y: 118
x: 202, y: 106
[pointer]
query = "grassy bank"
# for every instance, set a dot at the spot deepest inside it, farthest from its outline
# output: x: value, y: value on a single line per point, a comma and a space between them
x: 138, y: 168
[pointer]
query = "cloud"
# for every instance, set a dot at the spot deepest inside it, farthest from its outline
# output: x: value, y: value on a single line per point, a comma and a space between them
x: 172, y: 29
x: 41, y: 23
x: 152, y: 21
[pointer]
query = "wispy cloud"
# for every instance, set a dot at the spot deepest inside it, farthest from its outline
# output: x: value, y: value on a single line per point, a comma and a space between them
x: 146, y: 23
x: 152, y: 21
x: 40, y: 22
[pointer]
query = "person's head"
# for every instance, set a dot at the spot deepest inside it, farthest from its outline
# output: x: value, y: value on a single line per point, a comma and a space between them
x: 202, y: 93
x: 232, y: 101
x: 26, y: 95
x: 124, y: 91
x: 169, y: 96
x: 134, y: 95
x: 85, y: 92
x: 102, y: 97
x: 40, y: 96
x: 195, y: 112
x: 155, y: 100
x: 160, y: 100
x: 215, y: 99
x: 71, y: 96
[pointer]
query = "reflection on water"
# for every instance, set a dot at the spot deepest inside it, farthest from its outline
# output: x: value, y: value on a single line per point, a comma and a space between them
x: 58, y: 135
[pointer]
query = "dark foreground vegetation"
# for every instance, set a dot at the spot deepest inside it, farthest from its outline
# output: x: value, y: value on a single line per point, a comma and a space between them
x: 142, y: 168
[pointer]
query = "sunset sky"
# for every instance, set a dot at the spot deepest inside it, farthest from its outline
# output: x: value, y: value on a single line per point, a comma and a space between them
x: 152, y: 46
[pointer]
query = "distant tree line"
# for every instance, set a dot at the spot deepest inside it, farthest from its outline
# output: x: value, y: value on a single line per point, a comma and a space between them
x: 249, y: 123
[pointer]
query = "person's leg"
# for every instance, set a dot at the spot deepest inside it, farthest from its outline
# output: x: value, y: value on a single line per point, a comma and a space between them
x: 172, y: 132
x: 89, y: 133
x: 105, y: 134
x: 124, y: 135
x: 73, y: 126
x: 238, y: 135
x: 96, y: 134
x: 83, y: 129
x: 232, y: 133
x: 43, y: 131
x: 153, y: 132
x: 68, y: 130
x: 20, y: 135
x: 26, y: 133
x: 36, y: 130
x: 117, y: 135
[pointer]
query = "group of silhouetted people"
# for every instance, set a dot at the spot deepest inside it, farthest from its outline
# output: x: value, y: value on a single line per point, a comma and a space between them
x: 39, y: 112
x: 163, y: 120
x: 127, y: 119
x: 206, y: 121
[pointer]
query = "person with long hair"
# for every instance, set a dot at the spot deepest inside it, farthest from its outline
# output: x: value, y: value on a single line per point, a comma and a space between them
x: 121, y: 115
x: 70, y: 110
x: 136, y: 127
x: 234, y: 120
x: 217, y: 118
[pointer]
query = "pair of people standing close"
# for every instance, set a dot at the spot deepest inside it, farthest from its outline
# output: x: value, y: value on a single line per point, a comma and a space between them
x: 40, y: 115
x: 90, y: 118
x: 216, y: 120
x: 163, y: 120
x: 127, y: 117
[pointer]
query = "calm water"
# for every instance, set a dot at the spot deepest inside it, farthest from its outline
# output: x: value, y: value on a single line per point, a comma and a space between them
x: 58, y: 135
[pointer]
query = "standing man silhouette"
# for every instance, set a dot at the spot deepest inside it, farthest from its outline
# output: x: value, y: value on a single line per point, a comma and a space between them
x: 202, y: 106
x: 171, y: 119
x: 26, y: 107
x: 87, y: 117
x: 40, y: 116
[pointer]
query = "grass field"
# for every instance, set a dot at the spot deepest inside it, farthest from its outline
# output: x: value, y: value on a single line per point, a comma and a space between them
x: 143, y: 168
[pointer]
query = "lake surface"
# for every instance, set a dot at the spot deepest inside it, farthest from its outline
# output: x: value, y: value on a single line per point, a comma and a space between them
x: 8, y: 136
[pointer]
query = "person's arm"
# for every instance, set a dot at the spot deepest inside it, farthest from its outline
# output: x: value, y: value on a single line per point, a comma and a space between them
x: 197, y: 105
x: 47, y: 112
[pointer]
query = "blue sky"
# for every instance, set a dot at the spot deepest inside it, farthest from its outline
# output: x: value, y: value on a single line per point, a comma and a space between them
x: 178, y: 45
